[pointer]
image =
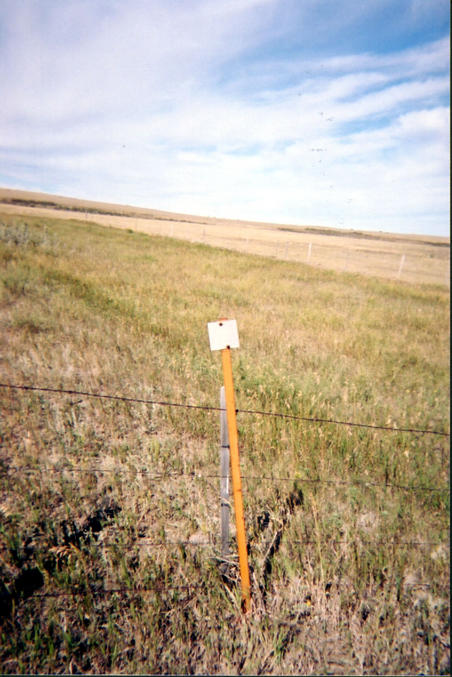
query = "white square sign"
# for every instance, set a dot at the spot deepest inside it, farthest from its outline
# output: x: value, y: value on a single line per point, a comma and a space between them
x: 223, y: 334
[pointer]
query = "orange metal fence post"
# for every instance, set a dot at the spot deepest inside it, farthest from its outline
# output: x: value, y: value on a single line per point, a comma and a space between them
x: 223, y: 336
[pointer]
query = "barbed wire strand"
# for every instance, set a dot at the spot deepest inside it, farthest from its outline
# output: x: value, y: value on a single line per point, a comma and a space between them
x: 157, y: 544
x: 163, y: 403
x: 112, y: 591
x: 100, y: 592
x: 144, y: 543
x: 95, y: 592
x: 410, y: 544
x: 197, y: 475
x: 345, y: 423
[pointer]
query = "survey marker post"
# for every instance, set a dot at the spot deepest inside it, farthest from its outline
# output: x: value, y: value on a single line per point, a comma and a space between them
x: 223, y: 335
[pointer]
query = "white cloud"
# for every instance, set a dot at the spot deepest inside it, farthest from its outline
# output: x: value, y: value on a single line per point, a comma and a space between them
x: 180, y: 106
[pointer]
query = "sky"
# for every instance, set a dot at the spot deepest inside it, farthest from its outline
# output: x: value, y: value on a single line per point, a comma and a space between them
x: 305, y: 112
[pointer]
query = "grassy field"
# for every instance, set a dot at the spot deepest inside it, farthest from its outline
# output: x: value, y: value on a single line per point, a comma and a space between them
x: 110, y: 509
x: 410, y: 258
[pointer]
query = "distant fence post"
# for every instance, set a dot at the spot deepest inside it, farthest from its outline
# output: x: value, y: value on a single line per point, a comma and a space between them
x: 309, y: 251
x: 225, y: 506
x: 402, y: 262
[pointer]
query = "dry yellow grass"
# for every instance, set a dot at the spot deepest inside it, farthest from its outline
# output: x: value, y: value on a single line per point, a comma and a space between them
x: 348, y: 528
x: 410, y: 258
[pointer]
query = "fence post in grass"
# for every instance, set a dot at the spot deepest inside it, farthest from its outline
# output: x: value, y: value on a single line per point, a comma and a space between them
x: 223, y: 335
x: 309, y: 251
x: 402, y: 262
x: 225, y: 505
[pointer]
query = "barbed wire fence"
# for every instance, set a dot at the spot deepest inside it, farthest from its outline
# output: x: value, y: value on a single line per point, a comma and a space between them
x: 212, y: 542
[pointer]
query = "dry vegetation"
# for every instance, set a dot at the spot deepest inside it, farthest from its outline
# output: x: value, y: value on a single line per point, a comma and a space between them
x: 411, y: 258
x: 109, y: 510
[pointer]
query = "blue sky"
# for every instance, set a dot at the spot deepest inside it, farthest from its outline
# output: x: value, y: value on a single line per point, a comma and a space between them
x: 291, y: 111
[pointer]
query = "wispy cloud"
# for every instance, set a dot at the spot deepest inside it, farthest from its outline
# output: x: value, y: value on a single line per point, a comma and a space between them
x: 232, y: 108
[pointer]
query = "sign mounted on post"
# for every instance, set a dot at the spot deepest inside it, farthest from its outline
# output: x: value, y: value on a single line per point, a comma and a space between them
x: 223, y: 334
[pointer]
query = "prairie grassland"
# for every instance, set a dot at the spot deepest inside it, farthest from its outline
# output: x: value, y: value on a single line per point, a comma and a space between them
x: 411, y: 258
x: 110, y: 509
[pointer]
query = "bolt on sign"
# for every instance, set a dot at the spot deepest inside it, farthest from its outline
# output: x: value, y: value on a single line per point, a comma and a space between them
x: 223, y: 334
